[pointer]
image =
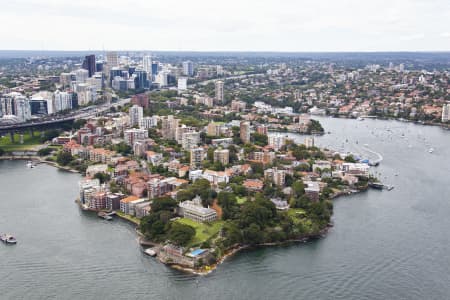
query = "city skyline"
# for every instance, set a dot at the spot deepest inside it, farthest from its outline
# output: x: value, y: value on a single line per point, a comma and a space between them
x: 295, y: 26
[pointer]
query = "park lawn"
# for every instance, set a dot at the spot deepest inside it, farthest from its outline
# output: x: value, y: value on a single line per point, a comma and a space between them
x: 128, y: 217
x: 241, y: 200
x: 29, y: 142
x: 203, y: 231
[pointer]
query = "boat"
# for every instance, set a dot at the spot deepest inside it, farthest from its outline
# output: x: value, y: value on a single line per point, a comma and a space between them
x: 29, y: 164
x: 360, y: 119
x: 8, y: 239
x: 150, y: 252
x: 376, y: 185
x: 431, y: 150
x: 104, y: 215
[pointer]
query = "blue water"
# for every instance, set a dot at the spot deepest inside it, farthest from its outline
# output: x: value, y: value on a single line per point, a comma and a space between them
x: 384, y: 245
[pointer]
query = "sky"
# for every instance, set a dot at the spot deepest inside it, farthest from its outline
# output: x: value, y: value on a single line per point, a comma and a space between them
x: 227, y: 25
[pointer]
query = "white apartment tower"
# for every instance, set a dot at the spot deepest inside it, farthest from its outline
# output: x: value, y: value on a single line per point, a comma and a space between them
x: 219, y: 91
x: 136, y: 114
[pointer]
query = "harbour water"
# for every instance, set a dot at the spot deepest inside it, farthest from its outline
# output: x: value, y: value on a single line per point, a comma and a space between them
x: 384, y: 245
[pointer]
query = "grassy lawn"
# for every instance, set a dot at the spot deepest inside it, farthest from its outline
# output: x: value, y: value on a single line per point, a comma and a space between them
x: 241, y: 200
x: 28, y: 142
x: 128, y: 217
x: 203, y: 231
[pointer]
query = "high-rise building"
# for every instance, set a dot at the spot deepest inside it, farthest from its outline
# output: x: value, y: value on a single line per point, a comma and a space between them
x: 63, y: 101
x: 219, y: 91
x: 169, y: 127
x: 196, y: 158
x: 188, y: 68
x: 182, y: 84
x: 89, y: 64
x: 275, y: 175
x: 222, y: 156
x: 277, y: 141
x: 42, y: 103
x: 16, y: 104
x: 155, y: 69
x: 147, y: 64
x: 133, y: 135
x: 141, y: 81
x: 245, y: 132
x: 446, y: 112
x: 162, y: 78
x: 112, y: 59
x: 141, y: 100
x: 81, y: 75
x: 23, y: 110
x: 219, y: 70
x: 190, y: 140
x: 136, y: 114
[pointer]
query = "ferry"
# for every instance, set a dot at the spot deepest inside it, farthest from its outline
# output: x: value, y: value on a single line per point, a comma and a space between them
x: 8, y: 239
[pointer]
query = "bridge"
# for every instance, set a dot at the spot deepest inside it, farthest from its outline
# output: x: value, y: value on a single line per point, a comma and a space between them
x: 57, y: 122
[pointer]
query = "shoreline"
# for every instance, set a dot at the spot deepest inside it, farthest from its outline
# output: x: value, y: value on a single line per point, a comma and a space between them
x: 205, y: 270
x: 40, y: 161
x: 424, y: 123
x: 236, y: 249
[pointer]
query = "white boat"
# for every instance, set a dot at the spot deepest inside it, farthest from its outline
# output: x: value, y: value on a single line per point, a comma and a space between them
x: 8, y: 239
x: 29, y: 164
x: 150, y: 252
x: 431, y: 150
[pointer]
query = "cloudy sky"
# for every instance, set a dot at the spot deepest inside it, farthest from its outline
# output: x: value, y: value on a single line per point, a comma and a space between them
x: 228, y: 25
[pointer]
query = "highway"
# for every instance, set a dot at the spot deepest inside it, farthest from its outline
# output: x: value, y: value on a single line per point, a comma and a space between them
x: 82, y: 113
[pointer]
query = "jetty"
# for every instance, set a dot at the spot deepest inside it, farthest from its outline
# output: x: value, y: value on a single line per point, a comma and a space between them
x: 106, y: 216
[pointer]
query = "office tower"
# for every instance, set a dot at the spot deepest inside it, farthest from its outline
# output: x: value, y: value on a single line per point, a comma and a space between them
x: 99, y: 66
x: 245, y: 132
x: 112, y: 59
x: 81, y: 75
x: 155, y: 69
x: 136, y: 114
x: 446, y: 112
x: 147, y: 64
x: 188, y: 68
x: 196, y: 158
x: 162, y: 78
x: 22, y: 108
x: 182, y: 84
x: 89, y: 64
x: 42, y: 103
x: 222, y: 156
x: 219, y: 91
x: 62, y: 100
x: 141, y: 81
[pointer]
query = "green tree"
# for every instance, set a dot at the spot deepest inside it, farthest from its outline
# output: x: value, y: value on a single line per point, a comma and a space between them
x: 64, y: 158
x: 103, y: 177
x: 180, y: 234
x: 44, y: 151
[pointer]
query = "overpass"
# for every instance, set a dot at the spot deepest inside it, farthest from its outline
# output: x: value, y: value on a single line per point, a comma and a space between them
x: 56, y: 122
